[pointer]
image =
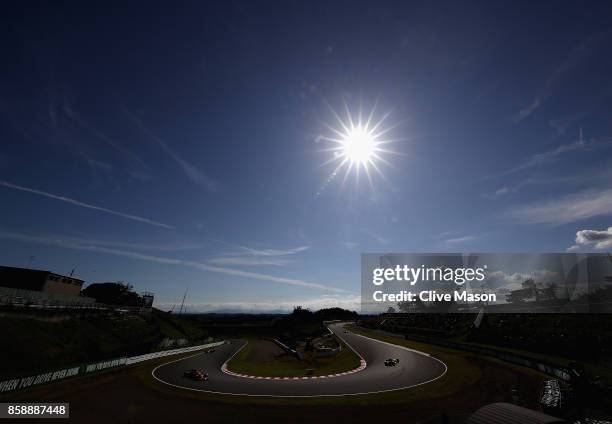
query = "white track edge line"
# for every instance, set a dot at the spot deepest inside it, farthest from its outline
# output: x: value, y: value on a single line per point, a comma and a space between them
x: 304, y: 396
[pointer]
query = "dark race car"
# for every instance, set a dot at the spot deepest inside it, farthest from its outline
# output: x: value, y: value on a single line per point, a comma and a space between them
x: 195, y: 374
x: 391, y: 362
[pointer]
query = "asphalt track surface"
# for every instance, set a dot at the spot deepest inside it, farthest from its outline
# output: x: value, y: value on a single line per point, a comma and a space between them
x: 414, y: 368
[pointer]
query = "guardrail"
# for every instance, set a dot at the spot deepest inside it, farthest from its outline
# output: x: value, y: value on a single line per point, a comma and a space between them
x: 147, y: 356
x: 85, y: 369
x: 287, y: 349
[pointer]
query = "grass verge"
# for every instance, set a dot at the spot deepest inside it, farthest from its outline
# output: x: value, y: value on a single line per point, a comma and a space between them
x: 278, y: 364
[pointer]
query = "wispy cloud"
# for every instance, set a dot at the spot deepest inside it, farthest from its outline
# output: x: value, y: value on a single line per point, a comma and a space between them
x: 350, y: 245
x: 500, y: 192
x: 530, y: 162
x: 599, y: 239
x: 249, y: 261
x: 549, y: 156
x: 83, y: 245
x: 247, y: 256
x: 588, y: 178
x: 274, y: 252
x: 559, y: 74
x: 527, y: 110
x: 460, y: 240
x: 102, y: 242
x: 380, y: 239
x: 102, y: 174
x: 142, y: 168
x: 570, y: 208
x: 188, y: 169
x: 84, y: 205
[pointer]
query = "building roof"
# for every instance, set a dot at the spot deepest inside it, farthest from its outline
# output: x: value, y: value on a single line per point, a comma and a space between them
x: 34, y: 271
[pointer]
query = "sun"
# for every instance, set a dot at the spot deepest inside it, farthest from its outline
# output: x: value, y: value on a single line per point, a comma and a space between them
x: 357, y: 144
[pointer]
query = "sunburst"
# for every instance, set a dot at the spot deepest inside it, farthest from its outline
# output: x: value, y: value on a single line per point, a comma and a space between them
x: 358, y: 144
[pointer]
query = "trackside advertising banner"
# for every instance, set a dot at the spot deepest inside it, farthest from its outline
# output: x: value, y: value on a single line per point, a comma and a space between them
x: 48, y: 377
x: 491, y: 282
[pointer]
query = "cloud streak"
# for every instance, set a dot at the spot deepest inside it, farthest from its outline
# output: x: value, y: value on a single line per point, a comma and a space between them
x: 84, y: 205
x: 189, y: 170
x: 84, y: 245
x: 247, y: 256
x: 570, y: 208
x: 559, y: 74
x: 579, y: 145
x: 70, y: 113
x: 460, y: 240
x: 249, y: 261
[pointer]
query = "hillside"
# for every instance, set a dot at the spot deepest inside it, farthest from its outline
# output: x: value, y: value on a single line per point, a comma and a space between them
x: 41, y: 341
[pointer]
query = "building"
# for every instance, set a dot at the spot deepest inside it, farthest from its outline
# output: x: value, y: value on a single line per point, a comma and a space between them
x: 147, y: 299
x: 41, y: 281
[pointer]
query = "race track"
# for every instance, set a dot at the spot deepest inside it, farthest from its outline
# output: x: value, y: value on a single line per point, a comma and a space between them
x: 414, y: 368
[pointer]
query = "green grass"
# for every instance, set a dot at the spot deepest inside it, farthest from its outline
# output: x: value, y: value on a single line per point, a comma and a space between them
x: 289, y: 366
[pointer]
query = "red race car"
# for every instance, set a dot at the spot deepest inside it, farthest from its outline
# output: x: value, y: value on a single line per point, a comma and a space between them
x: 196, y: 374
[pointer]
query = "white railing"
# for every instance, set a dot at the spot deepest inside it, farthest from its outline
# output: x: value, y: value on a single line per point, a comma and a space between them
x: 147, y: 356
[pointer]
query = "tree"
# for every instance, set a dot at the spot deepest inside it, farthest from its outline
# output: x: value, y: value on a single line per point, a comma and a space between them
x: 548, y: 293
x: 119, y: 293
x: 518, y: 296
x: 407, y: 307
x: 329, y: 314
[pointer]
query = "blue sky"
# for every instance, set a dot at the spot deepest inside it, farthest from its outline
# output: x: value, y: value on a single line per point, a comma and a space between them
x: 184, y: 145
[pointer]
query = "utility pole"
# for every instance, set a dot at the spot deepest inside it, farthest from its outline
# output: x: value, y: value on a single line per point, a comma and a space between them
x: 183, y: 302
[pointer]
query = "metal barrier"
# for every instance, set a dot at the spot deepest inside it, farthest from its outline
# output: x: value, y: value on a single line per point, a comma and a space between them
x: 147, y: 356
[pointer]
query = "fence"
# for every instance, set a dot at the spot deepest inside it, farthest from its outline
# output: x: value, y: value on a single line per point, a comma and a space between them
x: 85, y: 369
x: 44, y: 300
